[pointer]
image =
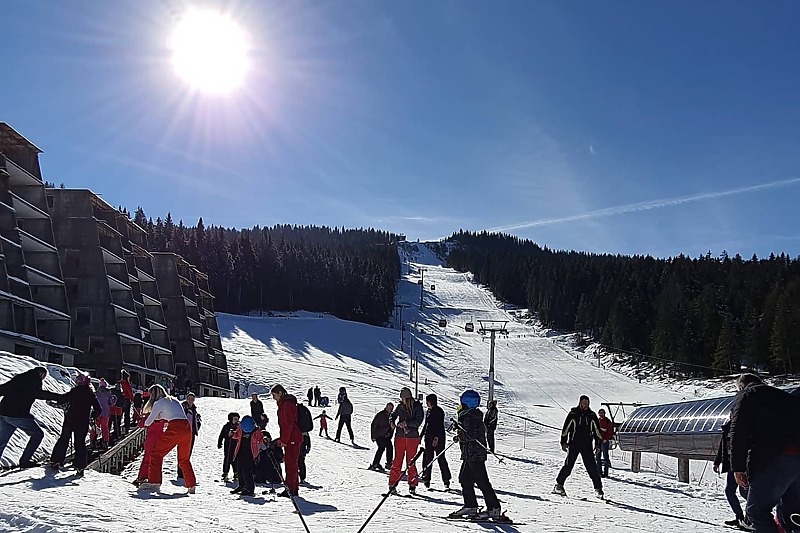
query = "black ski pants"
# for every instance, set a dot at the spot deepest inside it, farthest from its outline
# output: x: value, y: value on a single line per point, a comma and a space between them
x: 384, y: 444
x: 490, y: 439
x: 78, y: 433
x: 227, y: 461
x: 344, y: 420
x: 427, y: 458
x: 246, y: 466
x: 474, y: 473
x: 589, y: 462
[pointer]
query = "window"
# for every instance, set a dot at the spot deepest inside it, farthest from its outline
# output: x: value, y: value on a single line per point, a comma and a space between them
x: 50, y: 201
x: 96, y: 345
x: 83, y: 316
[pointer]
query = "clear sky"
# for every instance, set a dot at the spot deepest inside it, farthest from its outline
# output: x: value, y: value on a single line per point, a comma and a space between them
x: 624, y: 127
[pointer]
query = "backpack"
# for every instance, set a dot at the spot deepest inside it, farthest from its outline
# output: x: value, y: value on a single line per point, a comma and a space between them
x: 305, y: 422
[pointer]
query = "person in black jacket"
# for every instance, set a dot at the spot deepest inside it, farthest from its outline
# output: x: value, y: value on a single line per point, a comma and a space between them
x: 82, y: 406
x: 18, y: 395
x: 765, y: 450
x: 195, y: 422
x: 256, y: 410
x: 433, y: 433
x: 471, y: 438
x: 381, y: 433
x: 580, y: 436
x: 224, y: 442
x: 344, y: 414
x: 722, y: 463
x: 490, y: 420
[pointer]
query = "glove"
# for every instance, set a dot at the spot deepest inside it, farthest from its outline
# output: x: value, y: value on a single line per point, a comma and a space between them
x: 219, y: 446
x: 565, y: 447
x: 455, y: 438
x: 716, y: 469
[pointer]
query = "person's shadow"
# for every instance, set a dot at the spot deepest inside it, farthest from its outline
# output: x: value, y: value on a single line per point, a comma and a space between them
x: 309, y: 508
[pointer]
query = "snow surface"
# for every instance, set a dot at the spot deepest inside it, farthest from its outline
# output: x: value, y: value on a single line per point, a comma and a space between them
x: 536, y: 377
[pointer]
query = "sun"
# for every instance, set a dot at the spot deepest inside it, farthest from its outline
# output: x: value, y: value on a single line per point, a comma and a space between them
x: 210, y: 51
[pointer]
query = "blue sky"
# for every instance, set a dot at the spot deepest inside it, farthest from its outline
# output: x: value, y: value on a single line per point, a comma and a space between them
x: 623, y: 127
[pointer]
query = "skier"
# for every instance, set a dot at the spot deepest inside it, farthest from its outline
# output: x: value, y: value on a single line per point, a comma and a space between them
x: 381, y: 433
x: 256, y: 409
x: 765, y: 450
x: 490, y: 420
x: 290, y: 437
x: 310, y: 396
x: 236, y: 390
x: 722, y: 463
x: 606, y: 432
x: 18, y: 395
x: 409, y: 416
x: 579, y: 432
x: 305, y: 448
x: 317, y: 396
x: 82, y: 405
x: 177, y: 432
x: 323, y: 423
x: 344, y: 414
x: 268, y: 466
x: 434, y: 434
x: 249, y: 443
x: 471, y: 439
x: 224, y: 443
x: 195, y: 421
x: 104, y: 397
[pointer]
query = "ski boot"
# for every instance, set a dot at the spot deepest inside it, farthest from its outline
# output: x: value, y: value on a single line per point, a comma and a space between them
x: 559, y: 489
x: 412, y: 489
x: 447, y: 485
x: 465, y: 512
x: 150, y: 487
x: 599, y: 493
x: 490, y: 514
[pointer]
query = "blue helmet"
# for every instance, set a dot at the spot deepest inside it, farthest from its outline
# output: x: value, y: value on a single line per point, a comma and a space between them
x: 247, y: 424
x: 470, y: 399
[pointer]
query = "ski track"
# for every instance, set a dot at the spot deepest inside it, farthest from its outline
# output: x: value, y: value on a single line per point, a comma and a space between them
x: 535, y: 378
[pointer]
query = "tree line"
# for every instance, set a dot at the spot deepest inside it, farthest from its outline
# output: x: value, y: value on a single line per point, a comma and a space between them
x: 350, y: 273
x: 704, y: 315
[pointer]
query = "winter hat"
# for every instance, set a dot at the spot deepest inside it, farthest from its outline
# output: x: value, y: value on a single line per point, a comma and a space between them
x: 103, y: 383
x: 231, y: 415
x: 470, y: 399
x: 583, y: 397
x: 81, y: 380
x: 247, y: 424
x: 405, y: 392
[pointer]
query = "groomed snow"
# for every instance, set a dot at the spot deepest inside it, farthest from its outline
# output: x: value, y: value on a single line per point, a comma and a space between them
x: 536, y: 378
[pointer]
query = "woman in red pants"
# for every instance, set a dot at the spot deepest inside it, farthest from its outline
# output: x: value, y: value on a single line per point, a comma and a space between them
x: 152, y: 435
x: 290, y: 438
x: 177, y: 432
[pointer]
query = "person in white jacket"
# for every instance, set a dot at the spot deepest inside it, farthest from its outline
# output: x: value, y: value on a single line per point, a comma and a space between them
x: 177, y: 432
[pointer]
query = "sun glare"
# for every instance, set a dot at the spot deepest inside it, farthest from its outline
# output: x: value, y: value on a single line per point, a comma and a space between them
x: 209, y: 51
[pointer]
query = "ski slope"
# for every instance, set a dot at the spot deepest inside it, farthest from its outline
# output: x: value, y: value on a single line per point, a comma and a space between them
x: 534, y: 378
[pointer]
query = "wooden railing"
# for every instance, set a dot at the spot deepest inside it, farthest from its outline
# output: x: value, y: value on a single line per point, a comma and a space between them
x: 114, y: 460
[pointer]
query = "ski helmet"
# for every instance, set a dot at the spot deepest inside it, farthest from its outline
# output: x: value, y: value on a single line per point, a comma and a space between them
x: 247, y: 424
x: 470, y: 399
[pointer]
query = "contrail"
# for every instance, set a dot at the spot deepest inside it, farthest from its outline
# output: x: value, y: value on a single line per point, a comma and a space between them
x: 644, y: 206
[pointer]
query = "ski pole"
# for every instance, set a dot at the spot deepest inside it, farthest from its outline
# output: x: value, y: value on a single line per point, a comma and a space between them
x: 463, y: 431
x: 289, y: 492
x: 435, y: 458
x: 392, y: 487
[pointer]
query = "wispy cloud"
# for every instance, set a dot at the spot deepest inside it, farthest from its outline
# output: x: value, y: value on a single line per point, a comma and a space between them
x: 645, y: 206
x: 591, y: 149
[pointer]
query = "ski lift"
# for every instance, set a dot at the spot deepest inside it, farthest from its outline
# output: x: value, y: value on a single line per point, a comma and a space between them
x: 442, y: 323
x: 419, y: 282
x: 433, y: 287
x: 469, y: 327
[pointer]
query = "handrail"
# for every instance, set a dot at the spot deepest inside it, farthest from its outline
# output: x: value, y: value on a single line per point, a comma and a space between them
x: 114, y: 460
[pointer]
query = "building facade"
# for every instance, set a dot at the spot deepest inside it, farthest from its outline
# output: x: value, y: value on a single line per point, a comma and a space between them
x: 34, y: 312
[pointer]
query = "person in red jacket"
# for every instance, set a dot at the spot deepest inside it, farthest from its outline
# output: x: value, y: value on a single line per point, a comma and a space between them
x: 290, y: 437
x: 606, y: 432
x: 127, y: 393
x: 249, y: 443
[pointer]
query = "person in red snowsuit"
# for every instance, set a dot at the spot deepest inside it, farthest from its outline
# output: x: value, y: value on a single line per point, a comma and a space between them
x: 606, y: 432
x: 290, y: 437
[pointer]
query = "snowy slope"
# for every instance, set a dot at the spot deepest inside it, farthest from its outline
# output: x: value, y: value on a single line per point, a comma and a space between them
x: 535, y: 378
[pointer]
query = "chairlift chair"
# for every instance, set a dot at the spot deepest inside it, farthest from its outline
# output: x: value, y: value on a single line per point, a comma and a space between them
x: 433, y: 287
x: 442, y: 323
x: 469, y: 327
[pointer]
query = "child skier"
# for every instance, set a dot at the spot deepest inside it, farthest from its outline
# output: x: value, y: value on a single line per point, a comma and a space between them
x: 323, y: 423
x: 250, y: 442
x: 472, y: 440
x: 224, y: 442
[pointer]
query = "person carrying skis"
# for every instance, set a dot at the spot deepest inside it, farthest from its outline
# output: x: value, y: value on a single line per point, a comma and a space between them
x: 177, y: 432
x: 434, y: 433
x: 290, y: 437
x: 224, y: 443
x: 606, y: 432
x: 490, y: 421
x: 580, y: 436
x: 310, y: 396
x: 323, y: 423
x: 82, y: 406
x: 407, y: 419
x: 18, y: 394
x: 195, y: 421
x: 249, y: 443
x: 381, y: 433
x: 344, y: 414
x: 471, y: 438
x: 722, y: 463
